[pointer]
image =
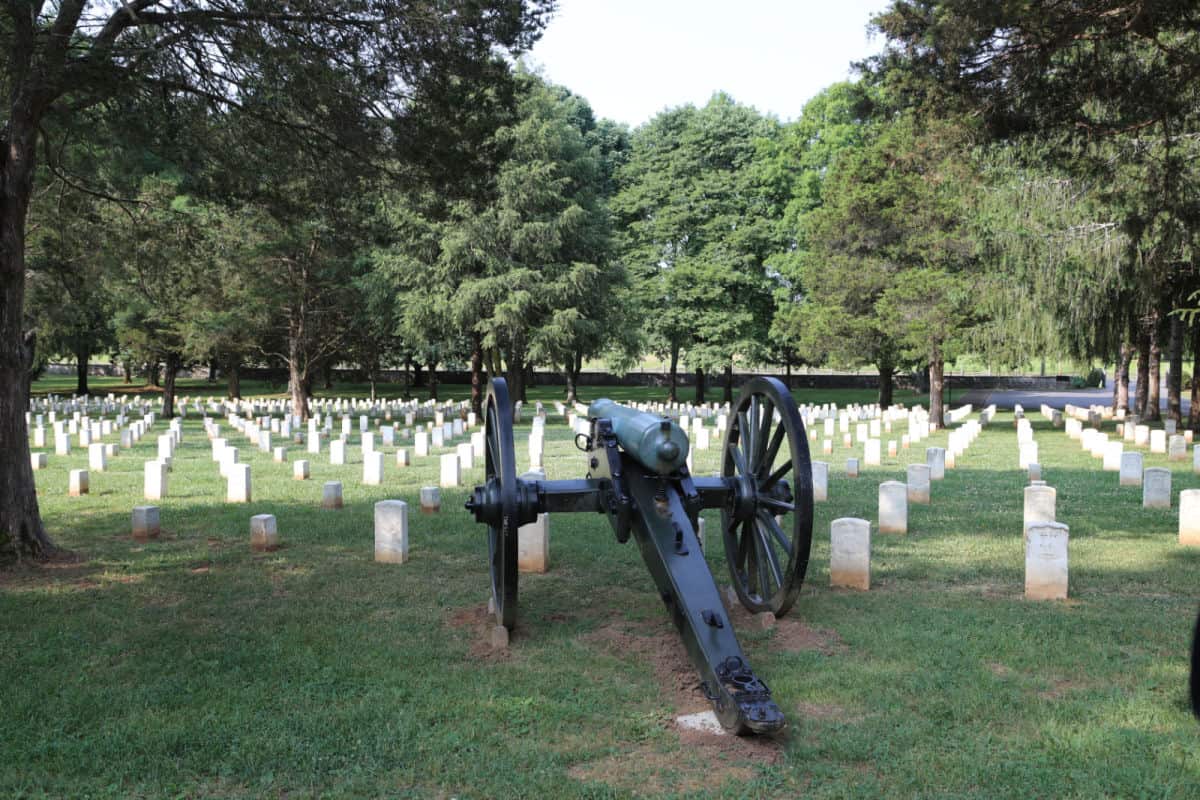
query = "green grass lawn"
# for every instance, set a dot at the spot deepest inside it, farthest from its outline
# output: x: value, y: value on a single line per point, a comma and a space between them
x: 192, y: 667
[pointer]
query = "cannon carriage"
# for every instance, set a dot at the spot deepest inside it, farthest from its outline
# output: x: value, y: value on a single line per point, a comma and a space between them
x: 639, y: 479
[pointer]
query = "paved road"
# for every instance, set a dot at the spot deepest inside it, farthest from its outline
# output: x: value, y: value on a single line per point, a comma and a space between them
x: 1055, y: 399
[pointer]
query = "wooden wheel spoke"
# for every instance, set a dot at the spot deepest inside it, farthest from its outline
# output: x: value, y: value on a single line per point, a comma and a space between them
x: 739, y: 460
x: 746, y: 437
x: 494, y: 457
x: 743, y: 545
x: 770, y: 523
x: 780, y: 505
x: 775, y: 476
x: 772, y: 450
x: 761, y: 562
x: 769, y: 551
x: 767, y: 410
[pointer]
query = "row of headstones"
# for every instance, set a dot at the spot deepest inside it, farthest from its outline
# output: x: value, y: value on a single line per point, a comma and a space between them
x: 99, y: 453
x: 391, y: 524
x: 1160, y: 441
x: 916, y: 489
x: 1046, y: 566
x: 1155, y: 481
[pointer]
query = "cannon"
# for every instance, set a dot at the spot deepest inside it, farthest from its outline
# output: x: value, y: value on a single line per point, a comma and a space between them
x: 639, y: 479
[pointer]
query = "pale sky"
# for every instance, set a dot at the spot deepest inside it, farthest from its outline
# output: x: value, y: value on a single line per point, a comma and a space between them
x: 633, y: 58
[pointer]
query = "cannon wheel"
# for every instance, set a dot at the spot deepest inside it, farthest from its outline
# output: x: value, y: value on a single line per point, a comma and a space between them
x: 768, y: 532
x: 500, y: 471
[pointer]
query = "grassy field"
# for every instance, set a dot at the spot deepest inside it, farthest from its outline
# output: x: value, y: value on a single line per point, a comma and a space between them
x: 191, y: 667
x: 65, y: 385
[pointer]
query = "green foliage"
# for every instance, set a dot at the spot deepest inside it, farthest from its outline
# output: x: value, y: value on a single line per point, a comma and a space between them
x: 890, y: 269
x: 699, y: 222
x: 529, y: 272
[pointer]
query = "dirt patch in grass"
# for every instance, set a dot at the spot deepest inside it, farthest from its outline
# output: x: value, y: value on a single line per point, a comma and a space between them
x: 702, y: 762
x: 795, y: 636
x: 657, y: 645
x: 62, y: 568
x: 477, y: 623
x: 1061, y: 687
x: 789, y: 634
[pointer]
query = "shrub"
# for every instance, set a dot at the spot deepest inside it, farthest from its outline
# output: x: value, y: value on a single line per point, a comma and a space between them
x: 1095, y: 378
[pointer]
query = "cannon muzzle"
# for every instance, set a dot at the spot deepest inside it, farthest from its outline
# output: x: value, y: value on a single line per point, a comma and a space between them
x: 654, y: 442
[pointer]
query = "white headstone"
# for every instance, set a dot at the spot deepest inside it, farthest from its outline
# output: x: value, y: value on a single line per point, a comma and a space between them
x: 1156, y: 487
x: 391, y: 531
x: 1046, y: 561
x: 1189, y: 517
x: 850, y: 553
x: 96, y: 458
x: 155, y: 479
x: 935, y: 458
x: 1131, y: 469
x: 1113, y: 451
x: 918, y: 483
x: 871, y: 453
x: 893, y: 507
x: 373, y: 468
x: 263, y: 533
x: 238, y: 490
x: 431, y: 499
x: 331, y: 495
x: 451, y: 472
x: 145, y: 522
x: 820, y: 479
x: 1040, y: 505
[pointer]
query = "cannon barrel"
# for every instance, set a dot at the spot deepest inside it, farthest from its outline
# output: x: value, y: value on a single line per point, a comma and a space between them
x: 655, y: 442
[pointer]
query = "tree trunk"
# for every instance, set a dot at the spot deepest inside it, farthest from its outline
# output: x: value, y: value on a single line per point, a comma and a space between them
x: 233, y: 375
x: 515, y: 375
x: 477, y: 375
x: 937, y: 371
x: 21, y: 530
x: 154, y: 369
x: 1143, y: 373
x: 1175, y: 375
x: 576, y: 369
x: 82, y: 358
x: 170, y: 369
x: 673, y: 376
x: 787, y: 372
x: 212, y: 370
x: 297, y: 378
x: 433, y: 381
x: 572, y: 394
x: 1153, y: 411
x: 1194, y: 411
x: 1121, y: 384
x: 699, y: 385
x: 729, y: 383
x: 887, y: 382
x: 417, y: 379
x: 127, y: 369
